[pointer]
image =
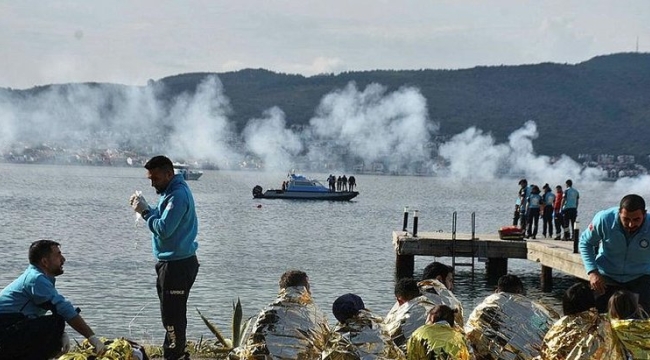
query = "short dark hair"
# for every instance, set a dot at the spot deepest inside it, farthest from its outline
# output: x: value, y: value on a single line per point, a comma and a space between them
x: 443, y: 312
x: 523, y: 181
x: 407, y: 288
x: 632, y: 202
x: 436, y: 269
x: 623, y: 305
x: 293, y: 278
x: 578, y: 298
x: 569, y: 183
x: 40, y: 249
x: 511, y: 284
x: 159, y: 162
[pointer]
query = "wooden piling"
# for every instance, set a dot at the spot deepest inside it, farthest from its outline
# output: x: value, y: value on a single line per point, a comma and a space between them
x: 546, y: 278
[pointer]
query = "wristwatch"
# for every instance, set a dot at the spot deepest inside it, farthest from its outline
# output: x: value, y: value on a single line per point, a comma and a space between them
x: 145, y: 213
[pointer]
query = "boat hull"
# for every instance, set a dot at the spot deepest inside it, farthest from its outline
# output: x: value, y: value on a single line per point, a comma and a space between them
x: 306, y: 195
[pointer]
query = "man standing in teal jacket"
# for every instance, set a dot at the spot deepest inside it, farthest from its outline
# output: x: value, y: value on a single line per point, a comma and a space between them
x: 623, y: 258
x: 174, y: 225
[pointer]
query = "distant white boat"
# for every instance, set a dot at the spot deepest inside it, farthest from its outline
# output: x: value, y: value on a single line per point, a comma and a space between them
x: 187, y: 172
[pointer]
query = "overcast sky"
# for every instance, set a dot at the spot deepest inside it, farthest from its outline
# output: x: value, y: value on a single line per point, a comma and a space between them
x: 131, y: 41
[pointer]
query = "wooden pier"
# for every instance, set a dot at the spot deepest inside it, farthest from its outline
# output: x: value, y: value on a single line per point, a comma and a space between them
x: 550, y: 254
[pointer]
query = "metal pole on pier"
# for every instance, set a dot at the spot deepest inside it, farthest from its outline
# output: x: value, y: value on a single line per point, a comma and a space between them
x: 415, y: 223
x: 406, y: 218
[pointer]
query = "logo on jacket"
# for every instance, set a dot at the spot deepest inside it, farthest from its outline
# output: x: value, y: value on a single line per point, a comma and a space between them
x: 644, y: 243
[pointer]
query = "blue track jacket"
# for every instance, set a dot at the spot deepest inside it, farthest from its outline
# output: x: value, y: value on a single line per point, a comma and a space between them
x: 622, y: 259
x: 173, y: 222
x: 31, y: 293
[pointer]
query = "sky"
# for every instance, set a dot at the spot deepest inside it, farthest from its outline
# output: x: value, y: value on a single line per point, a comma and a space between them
x: 129, y: 42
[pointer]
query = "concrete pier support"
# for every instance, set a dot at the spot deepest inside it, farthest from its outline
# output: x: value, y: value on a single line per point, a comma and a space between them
x: 404, y: 266
x: 495, y: 268
x: 546, y: 279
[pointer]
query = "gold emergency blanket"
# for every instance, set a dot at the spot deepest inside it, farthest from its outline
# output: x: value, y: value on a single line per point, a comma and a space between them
x: 438, y: 294
x: 117, y: 349
x: 438, y: 341
x: 361, y: 338
x: 508, y: 326
x: 635, y: 337
x: 583, y: 336
x: 277, y: 332
x: 402, y: 320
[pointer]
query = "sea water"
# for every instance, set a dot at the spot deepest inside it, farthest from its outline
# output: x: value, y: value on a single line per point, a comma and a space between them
x: 246, y: 243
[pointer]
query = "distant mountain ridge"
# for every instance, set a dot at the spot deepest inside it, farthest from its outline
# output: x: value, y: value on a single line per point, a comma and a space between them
x: 598, y: 106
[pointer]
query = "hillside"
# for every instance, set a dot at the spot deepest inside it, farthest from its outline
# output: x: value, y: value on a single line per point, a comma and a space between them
x: 597, y: 106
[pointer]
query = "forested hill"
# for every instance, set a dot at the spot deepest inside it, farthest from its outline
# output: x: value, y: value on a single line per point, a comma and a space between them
x: 597, y: 106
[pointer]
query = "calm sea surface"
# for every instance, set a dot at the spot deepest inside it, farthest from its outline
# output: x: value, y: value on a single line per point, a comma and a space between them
x: 343, y: 246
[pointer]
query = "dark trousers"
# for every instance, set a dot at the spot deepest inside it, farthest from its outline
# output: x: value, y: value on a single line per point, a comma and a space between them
x: 640, y: 285
x: 570, y: 216
x: 533, y: 221
x: 547, y: 225
x: 30, y: 339
x: 559, y: 220
x: 175, y: 279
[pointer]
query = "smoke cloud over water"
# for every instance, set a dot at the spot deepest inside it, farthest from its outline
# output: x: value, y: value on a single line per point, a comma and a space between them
x: 352, y: 130
x: 474, y: 154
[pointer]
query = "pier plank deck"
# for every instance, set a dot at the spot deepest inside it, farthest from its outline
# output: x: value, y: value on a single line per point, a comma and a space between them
x: 547, y: 252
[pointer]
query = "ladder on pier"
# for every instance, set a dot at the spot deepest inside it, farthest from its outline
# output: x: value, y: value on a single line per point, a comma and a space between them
x: 455, y: 252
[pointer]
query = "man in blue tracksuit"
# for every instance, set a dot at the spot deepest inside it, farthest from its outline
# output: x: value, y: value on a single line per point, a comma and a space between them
x: 174, y: 227
x: 623, y: 259
x: 26, y: 330
x: 570, y: 208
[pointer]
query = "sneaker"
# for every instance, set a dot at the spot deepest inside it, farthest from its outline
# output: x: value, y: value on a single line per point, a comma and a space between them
x: 557, y: 238
x: 533, y: 237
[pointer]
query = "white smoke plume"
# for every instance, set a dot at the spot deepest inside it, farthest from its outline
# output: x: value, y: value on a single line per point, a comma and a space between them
x: 474, y: 154
x: 371, y: 125
x: 268, y: 139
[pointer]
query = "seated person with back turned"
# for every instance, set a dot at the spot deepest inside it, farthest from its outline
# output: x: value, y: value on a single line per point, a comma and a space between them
x: 630, y: 323
x: 437, y: 285
x: 358, y: 334
x: 507, y: 324
x: 277, y: 332
x: 623, y: 261
x: 409, y: 312
x: 581, y: 333
x: 438, y: 339
x: 26, y: 332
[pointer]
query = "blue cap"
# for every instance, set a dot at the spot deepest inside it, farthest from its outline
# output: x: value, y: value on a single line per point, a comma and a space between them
x: 347, y: 306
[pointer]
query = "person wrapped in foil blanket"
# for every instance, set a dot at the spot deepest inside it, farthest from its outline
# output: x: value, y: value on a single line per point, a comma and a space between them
x: 438, y: 294
x: 358, y: 334
x: 439, y: 339
x: 279, y: 330
x: 507, y: 325
x: 581, y: 333
x: 409, y: 312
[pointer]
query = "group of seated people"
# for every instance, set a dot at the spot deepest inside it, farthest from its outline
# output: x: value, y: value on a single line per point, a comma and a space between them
x: 427, y: 322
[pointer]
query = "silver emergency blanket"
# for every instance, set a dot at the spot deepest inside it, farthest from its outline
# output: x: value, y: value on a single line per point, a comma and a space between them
x: 402, y: 320
x: 361, y: 338
x: 584, y: 336
x: 278, y: 331
x: 508, y: 326
x: 438, y: 294
x: 635, y: 337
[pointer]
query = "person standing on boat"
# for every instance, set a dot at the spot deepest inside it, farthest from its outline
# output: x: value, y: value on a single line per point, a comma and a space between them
x: 26, y: 332
x: 174, y: 226
x: 570, y: 208
x: 623, y: 260
x: 344, y: 183
x: 352, y: 182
